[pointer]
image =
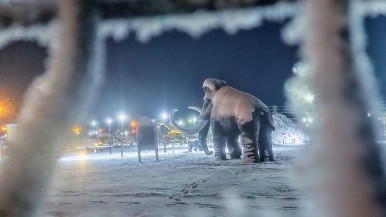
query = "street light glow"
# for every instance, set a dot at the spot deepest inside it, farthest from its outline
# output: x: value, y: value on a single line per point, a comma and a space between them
x: 94, y: 123
x: 2, y: 109
x: 194, y: 119
x: 164, y: 116
x: 122, y: 117
x: 181, y: 122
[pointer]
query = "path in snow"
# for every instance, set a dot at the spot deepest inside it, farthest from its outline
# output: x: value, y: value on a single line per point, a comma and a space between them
x: 180, y: 184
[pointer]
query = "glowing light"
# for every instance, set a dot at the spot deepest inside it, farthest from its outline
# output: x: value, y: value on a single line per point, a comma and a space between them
x: 82, y: 157
x: 194, y: 119
x: 181, y: 122
x: 133, y: 124
x: 122, y: 117
x: 76, y: 129
x: 164, y: 116
x: 4, y: 128
x: 109, y: 121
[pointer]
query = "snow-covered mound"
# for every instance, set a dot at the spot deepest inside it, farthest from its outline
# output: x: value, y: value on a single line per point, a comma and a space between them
x: 287, y: 131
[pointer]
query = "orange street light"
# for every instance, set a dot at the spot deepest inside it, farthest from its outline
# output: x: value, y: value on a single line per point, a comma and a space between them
x: 133, y: 124
x: 4, y: 128
x: 76, y: 129
x: 2, y: 109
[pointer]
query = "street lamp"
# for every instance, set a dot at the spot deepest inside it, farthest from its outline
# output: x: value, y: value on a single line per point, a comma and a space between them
x: 164, y: 116
x: 109, y: 121
x: 122, y: 118
x: 95, y: 124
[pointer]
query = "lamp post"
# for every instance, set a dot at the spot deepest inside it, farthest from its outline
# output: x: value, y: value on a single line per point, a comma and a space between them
x: 95, y: 124
x: 109, y: 121
x: 164, y: 118
x: 122, y: 118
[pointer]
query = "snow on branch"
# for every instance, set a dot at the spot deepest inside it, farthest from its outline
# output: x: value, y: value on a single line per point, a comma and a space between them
x: 198, y: 23
x: 53, y: 102
x: 39, y: 33
x: 343, y: 167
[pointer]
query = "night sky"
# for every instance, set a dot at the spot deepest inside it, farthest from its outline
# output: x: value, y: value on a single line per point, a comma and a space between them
x: 168, y: 71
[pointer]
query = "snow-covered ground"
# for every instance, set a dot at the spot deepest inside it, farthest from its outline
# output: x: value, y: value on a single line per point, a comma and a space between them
x: 180, y: 184
x: 287, y: 131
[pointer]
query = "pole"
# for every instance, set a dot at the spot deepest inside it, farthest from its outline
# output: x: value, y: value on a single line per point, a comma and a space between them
x: 121, y: 137
x: 110, y: 136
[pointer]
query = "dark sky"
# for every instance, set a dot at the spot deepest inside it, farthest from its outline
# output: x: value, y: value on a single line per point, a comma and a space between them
x: 168, y: 71
x: 376, y: 34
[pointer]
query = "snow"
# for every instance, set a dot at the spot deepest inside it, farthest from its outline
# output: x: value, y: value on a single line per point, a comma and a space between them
x: 39, y: 33
x: 192, y: 184
x: 180, y: 184
x: 287, y: 131
x: 198, y: 23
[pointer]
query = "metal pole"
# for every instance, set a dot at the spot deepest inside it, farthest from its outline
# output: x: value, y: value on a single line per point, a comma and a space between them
x: 121, y: 140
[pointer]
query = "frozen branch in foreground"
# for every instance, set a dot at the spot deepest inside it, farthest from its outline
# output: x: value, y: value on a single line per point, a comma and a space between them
x: 198, y: 23
x: 48, y: 111
x: 343, y: 169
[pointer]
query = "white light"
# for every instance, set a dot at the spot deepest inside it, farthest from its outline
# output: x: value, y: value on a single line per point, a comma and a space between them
x: 194, y: 119
x: 82, y: 157
x: 109, y: 121
x: 180, y: 122
x: 94, y: 123
x: 122, y: 117
x: 164, y: 116
x: 368, y: 114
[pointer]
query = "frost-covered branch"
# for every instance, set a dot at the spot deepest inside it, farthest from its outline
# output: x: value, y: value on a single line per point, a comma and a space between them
x: 198, y: 23
x: 52, y: 104
x: 343, y: 170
